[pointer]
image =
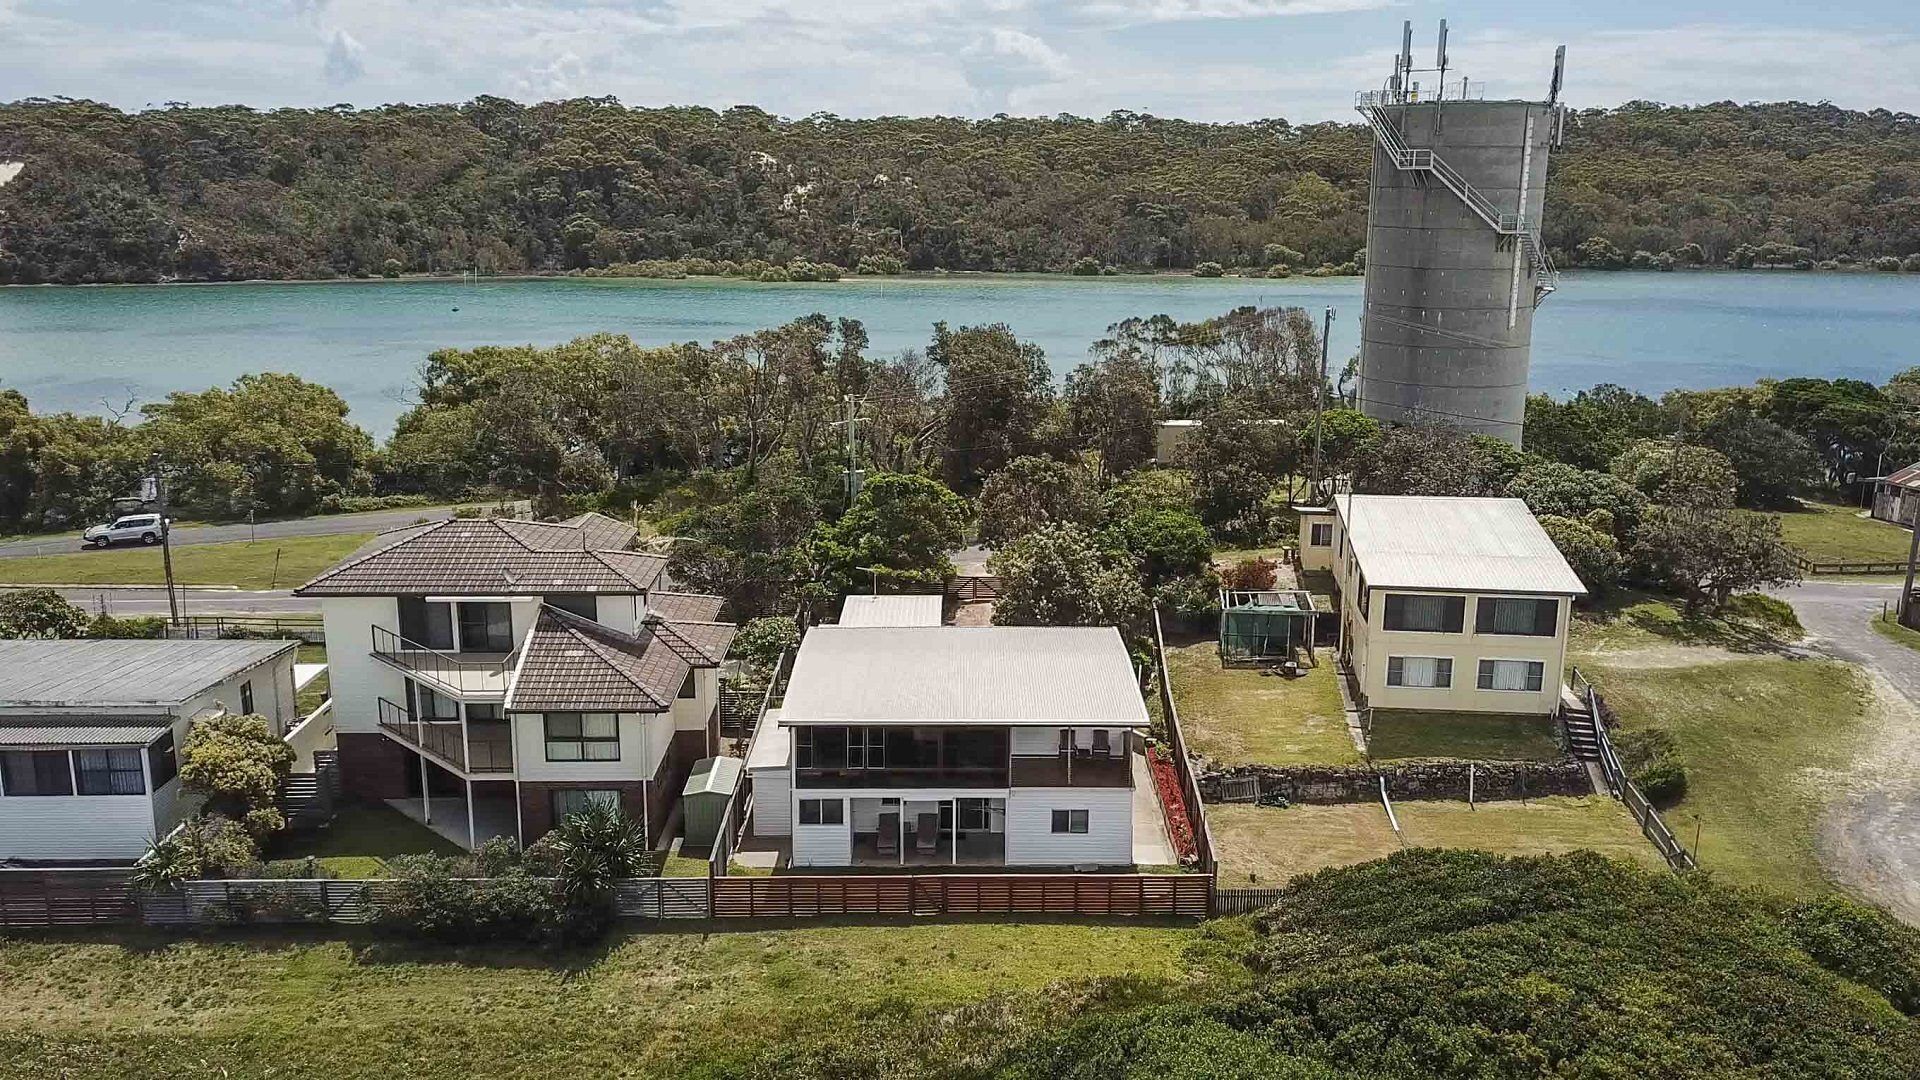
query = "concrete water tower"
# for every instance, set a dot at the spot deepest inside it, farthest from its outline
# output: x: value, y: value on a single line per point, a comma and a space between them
x: 1454, y: 262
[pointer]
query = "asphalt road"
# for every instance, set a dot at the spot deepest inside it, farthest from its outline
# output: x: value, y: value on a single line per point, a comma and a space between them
x: 1838, y: 614
x: 326, y: 525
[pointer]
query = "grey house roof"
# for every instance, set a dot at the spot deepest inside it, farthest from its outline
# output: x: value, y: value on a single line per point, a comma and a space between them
x: 1039, y: 675
x: 1454, y: 544
x: 495, y: 557
x: 891, y: 610
x: 573, y: 664
x: 123, y: 674
x: 53, y: 729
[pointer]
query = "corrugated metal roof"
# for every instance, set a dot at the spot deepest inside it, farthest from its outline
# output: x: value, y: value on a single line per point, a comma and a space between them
x: 772, y: 745
x: 1907, y: 477
x: 891, y: 610
x: 135, y: 672
x: 18, y: 732
x: 714, y: 776
x: 1458, y: 544
x: 1040, y: 675
x: 494, y: 556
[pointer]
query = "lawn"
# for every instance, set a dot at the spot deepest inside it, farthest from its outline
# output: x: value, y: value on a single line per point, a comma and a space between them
x: 1262, y: 846
x: 1758, y: 737
x: 1406, y: 735
x: 681, y: 999
x: 1828, y: 533
x: 249, y: 564
x: 361, y: 838
x: 1887, y: 627
x: 1240, y: 716
x: 1628, y: 619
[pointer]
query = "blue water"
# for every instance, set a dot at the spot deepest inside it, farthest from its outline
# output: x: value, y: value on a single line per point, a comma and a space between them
x: 89, y: 349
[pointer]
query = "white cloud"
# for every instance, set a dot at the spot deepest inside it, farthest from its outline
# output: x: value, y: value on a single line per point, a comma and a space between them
x: 1003, y: 61
x: 346, y: 59
x: 1139, y: 11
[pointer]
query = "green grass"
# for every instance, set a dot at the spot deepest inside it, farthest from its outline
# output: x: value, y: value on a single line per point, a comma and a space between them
x: 1240, y: 716
x: 361, y: 839
x: 683, y: 866
x: 658, y: 1002
x: 1829, y: 533
x: 1887, y: 627
x: 1262, y: 846
x: 249, y: 564
x: 1399, y: 735
x: 1637, y: 620
x: 1758, y: 737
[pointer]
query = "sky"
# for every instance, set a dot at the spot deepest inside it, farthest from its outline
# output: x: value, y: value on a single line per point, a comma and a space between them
x: 1217, y: 60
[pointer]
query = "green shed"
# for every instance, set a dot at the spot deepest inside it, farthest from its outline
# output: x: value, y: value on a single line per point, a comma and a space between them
x: 1265, y: 626
x: 704, y: 799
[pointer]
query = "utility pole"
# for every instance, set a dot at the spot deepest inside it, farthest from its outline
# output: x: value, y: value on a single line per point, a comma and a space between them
x: 1320, y: 399
x: 853, y: 474
x: 166, y: 537
x: 1904, y: 616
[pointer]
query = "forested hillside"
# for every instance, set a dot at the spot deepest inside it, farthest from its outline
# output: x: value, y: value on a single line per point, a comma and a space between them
x: 225, y: 193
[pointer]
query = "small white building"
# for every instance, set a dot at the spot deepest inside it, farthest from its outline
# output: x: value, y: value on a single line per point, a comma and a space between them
x: 943, y: 745
x: 1897, y: 496
x: 1446, y: 604
x: 91, y: 731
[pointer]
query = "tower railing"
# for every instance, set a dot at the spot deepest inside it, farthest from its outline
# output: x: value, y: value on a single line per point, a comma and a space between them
x: 1421, y: 159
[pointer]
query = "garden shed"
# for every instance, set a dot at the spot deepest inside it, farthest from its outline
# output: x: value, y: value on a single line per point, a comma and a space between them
x: 703, y: 801
x: 1265, y: 626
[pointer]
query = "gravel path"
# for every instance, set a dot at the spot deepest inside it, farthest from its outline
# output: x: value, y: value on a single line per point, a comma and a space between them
x: 1869, y: 839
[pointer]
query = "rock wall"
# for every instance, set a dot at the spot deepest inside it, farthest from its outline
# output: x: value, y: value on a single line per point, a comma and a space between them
x: 1414, y: 780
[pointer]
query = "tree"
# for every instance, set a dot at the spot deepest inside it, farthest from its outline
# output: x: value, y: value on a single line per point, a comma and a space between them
x: 1594, y: 555
x: 897, y: 534
x: 1059, y: 576
x: 1149, y: 489
x: 1435, y: 459
x: 1035, y: 491
x: 1165, y: 544
x: 1552, y: 489
x: 237, y: 762
x: 1112, y: 405
x: 746, y: 541
x: 1706, y: 555
x: 1590, y: 429
x: 1239, y: 456
x: 40, y: 613
x: 595, y: 849
x: 1678, y: 475
x: 999, y: 393
x: 1771, y: 464
x: 760, y: 642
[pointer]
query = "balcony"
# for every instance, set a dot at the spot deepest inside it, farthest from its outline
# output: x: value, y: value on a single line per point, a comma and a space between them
x: 1082, y: 770
x: 466, y: 676
x: 485, y: 747
x: 947, y: 777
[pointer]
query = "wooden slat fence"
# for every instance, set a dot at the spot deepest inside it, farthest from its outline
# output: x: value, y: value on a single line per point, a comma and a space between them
x: 74, y: 897
x: 975, y: 587
x: 1170, y: 895
x: 1177, y: 742
x: 662, y: 898
x: 1808, y: 566
x: 1244, y: 901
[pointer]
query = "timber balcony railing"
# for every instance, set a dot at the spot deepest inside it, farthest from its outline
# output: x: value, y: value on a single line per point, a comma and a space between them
x: 485, y: 746
x: 458, y: 674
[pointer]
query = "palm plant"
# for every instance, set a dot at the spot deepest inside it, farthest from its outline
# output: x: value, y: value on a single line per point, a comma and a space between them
x: 595, y: 849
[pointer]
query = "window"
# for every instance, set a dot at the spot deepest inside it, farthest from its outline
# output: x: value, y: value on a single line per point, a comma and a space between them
x: 1321, y: 535
x: 687, y: 689
x: 484, y: 711
x: 1429, y: 614
x: 976, y: 815
x: 573, y: 736
x: 820, y: 747
x: 246, y: 698
x: 1429, y: 671
x: 823, y: 812
x: 1511, y: 674
x: 486, y: 627
x: 570, y: 801
x: 426, y: 625
x: 1069, y: 821
x: 866, y: 748
x: 109, y: 772
x: 1517, y: 615
x: 35, y: 772
x: 161, y: 763
x: 581, y: 604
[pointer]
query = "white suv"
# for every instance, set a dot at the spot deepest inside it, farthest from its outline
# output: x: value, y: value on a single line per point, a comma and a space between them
x: 142, y: 527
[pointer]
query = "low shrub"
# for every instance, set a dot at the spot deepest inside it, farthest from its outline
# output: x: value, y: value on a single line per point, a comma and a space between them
x: 1250, y: 574
x: 308, y: 868
x: 880, y: 264
x: 357, y: 504
x: 1861, y: 944
x: 1768, y: 612
x: 205, y: 847
x: 1192, y: 599
x: 437, y: 897
x: 1209, y: 269
x: 140, y: 626
x: 1653, y: 763
x: 1085, y: 266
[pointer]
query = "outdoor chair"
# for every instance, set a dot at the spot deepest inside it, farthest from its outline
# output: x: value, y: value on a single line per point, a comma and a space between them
x: 1102, y: 743
x: 926, y: 835
x: 888, y: 842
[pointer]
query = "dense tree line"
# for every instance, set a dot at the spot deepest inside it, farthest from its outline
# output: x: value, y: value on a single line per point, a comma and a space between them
x: 495, y: 186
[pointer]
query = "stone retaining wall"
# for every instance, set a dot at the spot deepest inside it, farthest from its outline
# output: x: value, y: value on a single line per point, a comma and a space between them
x: 1412, y: 780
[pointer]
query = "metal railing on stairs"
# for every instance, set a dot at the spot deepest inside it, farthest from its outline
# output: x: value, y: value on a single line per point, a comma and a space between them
x: 1420, y: 159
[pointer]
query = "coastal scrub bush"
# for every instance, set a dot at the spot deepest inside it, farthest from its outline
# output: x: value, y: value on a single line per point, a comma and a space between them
x: 1209, y: 269
x: 237, y: 762
x: 440, y: 898
x: 1085, y: 266
x: 40, y: 613
x: 880, y: 264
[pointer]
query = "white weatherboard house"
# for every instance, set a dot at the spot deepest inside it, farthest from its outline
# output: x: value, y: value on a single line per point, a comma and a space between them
x: 91, y: 731
x: 944, y: 745
x: 1446, y: 604
x: 492, y: 676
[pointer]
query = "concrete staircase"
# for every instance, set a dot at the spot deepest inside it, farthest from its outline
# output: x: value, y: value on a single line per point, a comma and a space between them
x: 1581, y: 727
x: 308, y: 799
